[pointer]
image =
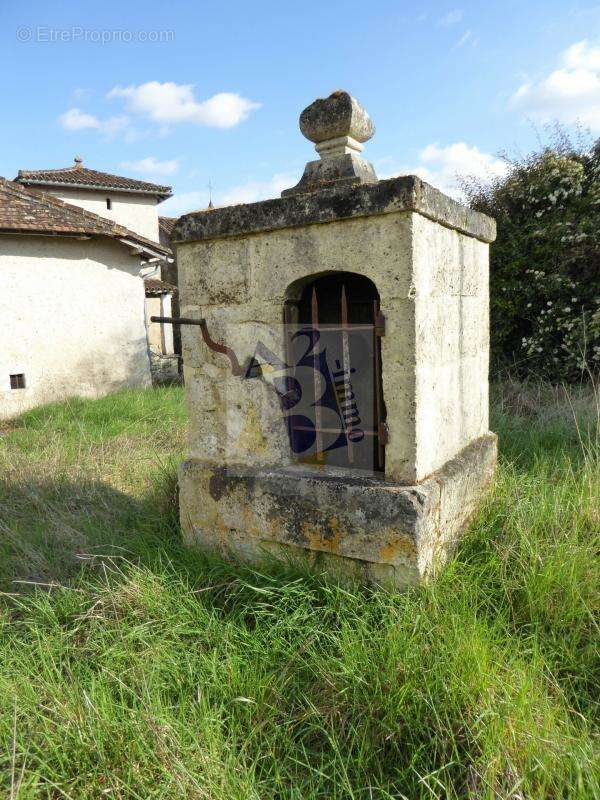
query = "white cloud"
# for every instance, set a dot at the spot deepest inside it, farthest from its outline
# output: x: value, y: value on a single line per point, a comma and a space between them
x: 581, y: 56
x: 113, y: 125
x: 451, y: 18
x: 183, y: 203
x: 132, y: 135
x: 249, y: 192
x: 570, y: 93
x: 463, y: 39
x: 252, y: 191
x: 170, y: 103
x: 152, y: 166
x: 76, y: 120
x: 442, y: 166
x: 79, y: 93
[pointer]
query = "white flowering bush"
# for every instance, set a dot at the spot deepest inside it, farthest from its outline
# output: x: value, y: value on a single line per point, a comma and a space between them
x: 545, y: 263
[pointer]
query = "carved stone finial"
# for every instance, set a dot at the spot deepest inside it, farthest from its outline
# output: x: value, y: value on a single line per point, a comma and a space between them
x: 338, y: 125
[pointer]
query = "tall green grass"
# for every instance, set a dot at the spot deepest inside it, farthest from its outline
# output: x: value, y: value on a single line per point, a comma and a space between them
x: 145, y: 671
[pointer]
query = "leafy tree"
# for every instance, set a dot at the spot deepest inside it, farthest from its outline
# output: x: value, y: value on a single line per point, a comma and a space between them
x: 545, y: 262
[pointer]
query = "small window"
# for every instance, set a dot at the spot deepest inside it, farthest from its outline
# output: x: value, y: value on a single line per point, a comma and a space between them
x: 17, y: 381
x: 108, y: 203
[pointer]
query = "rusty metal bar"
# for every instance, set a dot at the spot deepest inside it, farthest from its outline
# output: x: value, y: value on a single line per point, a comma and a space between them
x: 379, y: 321
x: 345, y: 364
x: 337, y: 328
x: 217, y: 347
x: 314, y: 316
x: 374, y: 432
x: 178, y: 320
x: 288, y: 321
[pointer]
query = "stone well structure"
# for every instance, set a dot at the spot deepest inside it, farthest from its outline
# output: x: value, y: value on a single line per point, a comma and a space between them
x: 338, y: 385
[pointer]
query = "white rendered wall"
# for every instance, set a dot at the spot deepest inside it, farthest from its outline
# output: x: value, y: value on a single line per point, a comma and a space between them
x: 137, y: 212
x: 167, y: 311
x: 73, y: 320
x: 160, y: 336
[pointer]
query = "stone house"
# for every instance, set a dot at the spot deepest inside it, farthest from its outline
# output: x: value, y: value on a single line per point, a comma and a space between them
x: 129, y: 202
x: 72, y: 300
x: 133, y: 204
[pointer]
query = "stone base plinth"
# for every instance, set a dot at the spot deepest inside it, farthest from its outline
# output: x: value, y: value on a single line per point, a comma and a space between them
x: 357, y: 527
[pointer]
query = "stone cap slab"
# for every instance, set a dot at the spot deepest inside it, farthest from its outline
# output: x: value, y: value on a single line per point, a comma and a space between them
x: 406, y: 193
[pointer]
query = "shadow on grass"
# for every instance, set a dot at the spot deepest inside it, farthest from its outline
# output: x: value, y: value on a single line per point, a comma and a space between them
x: 50, y: 529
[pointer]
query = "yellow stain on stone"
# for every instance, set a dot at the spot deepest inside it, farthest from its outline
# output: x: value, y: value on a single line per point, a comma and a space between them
x: 251, y: 438
x: 399, y: 546
x: 318, y: 541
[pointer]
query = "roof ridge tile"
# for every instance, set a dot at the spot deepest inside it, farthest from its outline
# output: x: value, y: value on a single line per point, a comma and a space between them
x: 85, y: 177
x: 38, y: 211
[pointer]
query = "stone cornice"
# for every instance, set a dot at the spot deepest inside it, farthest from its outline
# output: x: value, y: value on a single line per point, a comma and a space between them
x: 406, y: 193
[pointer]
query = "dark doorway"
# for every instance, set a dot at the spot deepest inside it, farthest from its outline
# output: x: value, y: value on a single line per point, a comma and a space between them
x: 334, y: 349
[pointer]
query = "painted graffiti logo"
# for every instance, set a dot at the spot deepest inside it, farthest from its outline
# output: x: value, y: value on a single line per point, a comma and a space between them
x: 326, y: 403
x: 328, y: 386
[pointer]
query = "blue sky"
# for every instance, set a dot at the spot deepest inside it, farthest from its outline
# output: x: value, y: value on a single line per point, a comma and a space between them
x: 448, y: 84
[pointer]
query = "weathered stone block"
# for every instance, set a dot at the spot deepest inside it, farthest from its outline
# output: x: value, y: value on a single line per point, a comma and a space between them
x: 397, y: 534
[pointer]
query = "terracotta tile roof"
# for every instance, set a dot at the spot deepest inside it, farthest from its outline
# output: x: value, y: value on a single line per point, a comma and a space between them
x: 80, y: 176
x: 165, y: 229
x: 166, y: 224
x: 25, y: 210
x: 154, y: 287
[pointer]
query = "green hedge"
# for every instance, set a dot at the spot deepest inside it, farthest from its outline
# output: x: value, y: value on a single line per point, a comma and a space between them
x: 545, y: 263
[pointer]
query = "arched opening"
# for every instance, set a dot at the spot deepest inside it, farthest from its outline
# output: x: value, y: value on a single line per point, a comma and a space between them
x: 333, y: 348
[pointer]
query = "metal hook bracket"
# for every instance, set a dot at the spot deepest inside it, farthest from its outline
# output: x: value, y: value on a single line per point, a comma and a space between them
x: 216, y: 347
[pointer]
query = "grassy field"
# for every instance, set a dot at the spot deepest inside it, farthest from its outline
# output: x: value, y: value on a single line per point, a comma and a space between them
x: 139, y: 670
